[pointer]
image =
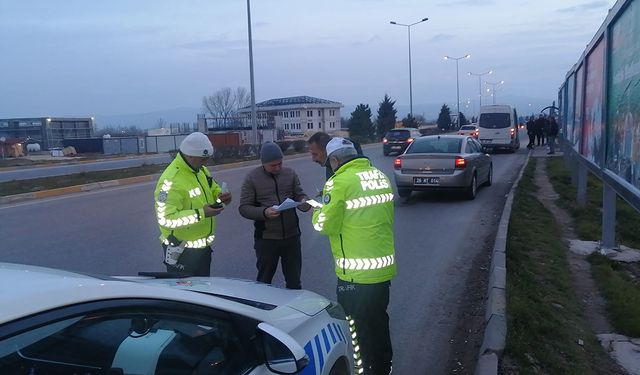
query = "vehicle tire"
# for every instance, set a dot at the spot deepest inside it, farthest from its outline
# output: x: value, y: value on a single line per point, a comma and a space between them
x: 473, y: 188
x: 338, y: 369
x: 489, y: 181
x: 404, y: 193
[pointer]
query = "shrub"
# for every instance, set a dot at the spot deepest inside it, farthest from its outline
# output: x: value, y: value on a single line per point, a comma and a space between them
x: 299, y: 145
x: 284, y: 145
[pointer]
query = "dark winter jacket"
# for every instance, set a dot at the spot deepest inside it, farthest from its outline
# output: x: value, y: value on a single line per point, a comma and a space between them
x: 261, y: 190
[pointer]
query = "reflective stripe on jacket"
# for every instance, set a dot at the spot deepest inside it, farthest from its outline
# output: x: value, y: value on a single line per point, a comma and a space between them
x: 179, y: 196
x: 357, y: 215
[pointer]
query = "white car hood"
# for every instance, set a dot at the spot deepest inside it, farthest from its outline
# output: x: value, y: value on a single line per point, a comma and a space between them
x: 304, y: 301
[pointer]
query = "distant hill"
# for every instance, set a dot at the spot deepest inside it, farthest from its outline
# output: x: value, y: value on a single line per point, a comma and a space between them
x: 149, y: 119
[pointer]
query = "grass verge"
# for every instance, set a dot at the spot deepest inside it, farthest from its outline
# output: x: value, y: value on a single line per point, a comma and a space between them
x: 618, y: 282
x: 46, y: 183
x: 545, y: 320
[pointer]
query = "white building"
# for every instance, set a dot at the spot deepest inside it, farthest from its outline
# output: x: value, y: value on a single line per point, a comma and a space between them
x: 296, y: 115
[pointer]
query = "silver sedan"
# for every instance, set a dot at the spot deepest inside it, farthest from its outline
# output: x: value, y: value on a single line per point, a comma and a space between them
x: 443, y: 162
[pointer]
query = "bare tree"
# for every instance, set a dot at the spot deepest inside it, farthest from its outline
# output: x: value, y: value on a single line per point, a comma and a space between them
x: 225, y: 102
x: 243, y: 98
x: 161, y: 123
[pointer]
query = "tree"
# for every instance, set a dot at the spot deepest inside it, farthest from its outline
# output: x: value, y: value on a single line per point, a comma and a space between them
x: 444, y: 118
x: 386, y: 116
x: 360, y: 124
x: 410, y: 122
x: 161, y: 123
x: 463, y: 119
x: 226, y: 102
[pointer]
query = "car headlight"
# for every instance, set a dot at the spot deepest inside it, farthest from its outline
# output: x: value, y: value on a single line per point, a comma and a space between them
x: 336, y: 311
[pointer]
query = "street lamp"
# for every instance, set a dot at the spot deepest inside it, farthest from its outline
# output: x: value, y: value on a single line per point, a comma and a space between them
x: 254, y: 117
x: 409, y: 35
x: 493, y: 88
x: 479, y: 75
x: 457, y: 83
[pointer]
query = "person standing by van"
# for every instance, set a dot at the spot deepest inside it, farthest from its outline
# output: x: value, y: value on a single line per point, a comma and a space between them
x: 540, y: 130
x: 531, y: 132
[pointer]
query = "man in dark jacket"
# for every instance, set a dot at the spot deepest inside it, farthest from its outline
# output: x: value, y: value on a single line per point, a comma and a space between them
x: 277, y: 232
x: 531, y: 132
x: 541, y: 130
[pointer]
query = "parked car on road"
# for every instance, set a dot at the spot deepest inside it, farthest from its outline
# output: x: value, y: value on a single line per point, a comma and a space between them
x: 439, y: 162
x: 397, y: 140
x: 58, y: 322
x: 470, y: 130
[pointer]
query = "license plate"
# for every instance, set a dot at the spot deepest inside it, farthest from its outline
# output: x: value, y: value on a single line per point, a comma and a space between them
x: 486, y: 140
x: 396, y: 147
x: 426, y: 180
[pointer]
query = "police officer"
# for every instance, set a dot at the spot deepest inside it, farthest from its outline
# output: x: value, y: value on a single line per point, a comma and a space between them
x: 357, y: 215
x: 187, y: 201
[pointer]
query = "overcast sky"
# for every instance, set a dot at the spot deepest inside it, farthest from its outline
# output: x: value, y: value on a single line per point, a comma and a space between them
x: 97, y: 57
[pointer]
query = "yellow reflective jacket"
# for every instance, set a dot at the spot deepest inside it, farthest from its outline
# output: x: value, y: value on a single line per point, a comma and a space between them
x: 357, y: 215
x: 179, y: 196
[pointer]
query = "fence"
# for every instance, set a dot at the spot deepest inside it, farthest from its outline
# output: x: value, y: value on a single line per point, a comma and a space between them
x: 599, y: 104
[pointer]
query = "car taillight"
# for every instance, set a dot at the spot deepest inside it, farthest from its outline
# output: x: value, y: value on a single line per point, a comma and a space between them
x: 460, y: 163
x: 409, y: 140
x: 397, y: 164
x: 384, y: 140
x: 513, y: 132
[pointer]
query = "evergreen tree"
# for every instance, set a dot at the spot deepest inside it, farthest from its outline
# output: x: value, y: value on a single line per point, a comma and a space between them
x: 360, y: 124
x: 386, y: 116
x: 409, y: 122
x: 463, y: 119
x: 444, y: 118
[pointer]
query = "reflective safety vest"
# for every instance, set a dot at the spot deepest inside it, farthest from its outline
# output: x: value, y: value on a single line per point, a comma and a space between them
x: 180, y: 194
x: 357, y: 215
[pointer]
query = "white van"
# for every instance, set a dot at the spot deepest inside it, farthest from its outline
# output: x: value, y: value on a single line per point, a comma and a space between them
x: 499, y: 127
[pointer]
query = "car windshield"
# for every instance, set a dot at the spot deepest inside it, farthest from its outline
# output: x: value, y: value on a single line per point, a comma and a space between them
x: 468, y: 127
x: 494, y: 120
x: 435, y: 146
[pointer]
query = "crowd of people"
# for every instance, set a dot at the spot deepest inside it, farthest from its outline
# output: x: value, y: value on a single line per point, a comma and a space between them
x: 542, y: 131
x: 188, y: 201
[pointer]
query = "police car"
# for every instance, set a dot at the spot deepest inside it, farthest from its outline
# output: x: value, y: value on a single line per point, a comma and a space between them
x: 58, y: 322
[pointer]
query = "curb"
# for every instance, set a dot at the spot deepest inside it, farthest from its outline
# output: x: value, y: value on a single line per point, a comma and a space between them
x: 495, y: 331
x: 130, y: 180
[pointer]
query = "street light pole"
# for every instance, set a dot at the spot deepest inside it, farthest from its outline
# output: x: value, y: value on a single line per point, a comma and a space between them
x: 409, y: 38
x: 254, y: 119
x: 493, y: 88
x: 457, y: 83
x: 479, y: 75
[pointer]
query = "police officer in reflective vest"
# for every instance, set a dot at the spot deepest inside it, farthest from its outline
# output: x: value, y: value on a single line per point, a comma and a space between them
x: 357, y: 215
x: 187, y: 201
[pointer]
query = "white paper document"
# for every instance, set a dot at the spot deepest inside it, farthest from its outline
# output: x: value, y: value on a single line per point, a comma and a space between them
x: 287, y: 204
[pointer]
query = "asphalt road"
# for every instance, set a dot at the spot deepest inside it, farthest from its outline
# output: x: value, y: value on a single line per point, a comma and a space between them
x: 438, y: 235
x: 61, y: 170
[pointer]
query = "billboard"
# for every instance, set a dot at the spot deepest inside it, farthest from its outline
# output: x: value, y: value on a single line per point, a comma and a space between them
x: 623, y: 104
x: 593, y: 125
x: 571, y: 85
x: 576, y: 138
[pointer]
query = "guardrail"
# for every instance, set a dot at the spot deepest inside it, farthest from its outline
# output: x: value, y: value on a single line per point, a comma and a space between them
x: 599, y: 104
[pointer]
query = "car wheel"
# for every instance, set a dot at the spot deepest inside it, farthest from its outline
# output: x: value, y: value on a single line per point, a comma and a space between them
x: 338, y: 369
x: 489, y: 181
x: 404, y: 193
x: 473, y: 188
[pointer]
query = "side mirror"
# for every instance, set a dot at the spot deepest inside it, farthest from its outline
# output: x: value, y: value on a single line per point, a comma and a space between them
x: 283, y: 355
